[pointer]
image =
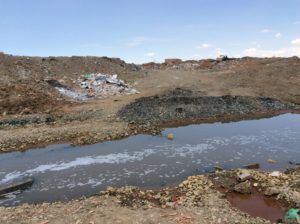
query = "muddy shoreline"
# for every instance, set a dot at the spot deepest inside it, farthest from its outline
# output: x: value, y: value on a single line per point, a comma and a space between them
x: 148, y: 115
x: 206, y: 193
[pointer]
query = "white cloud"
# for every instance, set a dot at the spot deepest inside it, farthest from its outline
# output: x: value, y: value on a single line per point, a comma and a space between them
x: 205, y: 45
x: 297, y: 23
x: 150, y: 54
x: 283, y: 52
x: 277, y: 35
x: 266, y: 31
x: 296, y: 41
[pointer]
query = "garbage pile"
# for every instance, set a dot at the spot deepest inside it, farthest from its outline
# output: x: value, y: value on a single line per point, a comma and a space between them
x: 102, y: 85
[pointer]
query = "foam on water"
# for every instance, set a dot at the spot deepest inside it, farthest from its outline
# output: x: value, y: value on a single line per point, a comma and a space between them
x: 151, y: 160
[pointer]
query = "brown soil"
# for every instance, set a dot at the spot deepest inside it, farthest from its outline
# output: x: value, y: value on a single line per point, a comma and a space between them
x: 26, y: 97
x: 34, y: 113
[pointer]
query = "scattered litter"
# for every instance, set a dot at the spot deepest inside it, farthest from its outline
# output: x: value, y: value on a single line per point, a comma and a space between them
x: 293, y: 214
x: 170, y: 136
x: 94, y: 85
x: 255, y: 185
x: 104, y: 85
x: 275, y: 174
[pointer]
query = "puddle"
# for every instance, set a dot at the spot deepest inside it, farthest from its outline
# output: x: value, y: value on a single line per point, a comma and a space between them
x: 63, y: 172
x: 258, y: 206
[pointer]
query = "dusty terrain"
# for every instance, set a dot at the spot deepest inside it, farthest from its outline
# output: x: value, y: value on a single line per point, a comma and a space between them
x: 28, y: 102
x: 33, y: 113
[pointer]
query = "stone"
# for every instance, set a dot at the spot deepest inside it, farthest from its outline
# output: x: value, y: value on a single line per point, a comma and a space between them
x: 243, y: 188
x: 252, y: 166
x: 218, y: 168
x: 272, y: 191
x: 244, y: 176
x: 26, y: 111
x: 271, y: 161
x: 170, y: 136
x: 173, y: 61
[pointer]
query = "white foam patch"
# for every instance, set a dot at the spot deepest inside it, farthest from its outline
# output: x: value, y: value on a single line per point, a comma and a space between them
x: 82, y: 161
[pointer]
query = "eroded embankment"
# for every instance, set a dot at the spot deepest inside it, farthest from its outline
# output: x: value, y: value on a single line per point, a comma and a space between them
x: 183, y: 104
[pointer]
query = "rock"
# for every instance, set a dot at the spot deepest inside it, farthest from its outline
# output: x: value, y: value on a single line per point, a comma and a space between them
x: 296, y: 197
x: 272, y: 191
x: 170, y: 136
x: 172, y: 61
x: 244, y: 176
x: 252, y: 166
x: 271, y: 161
x: 26, y: 111
x: 243, y: 188
x: 218, y: 168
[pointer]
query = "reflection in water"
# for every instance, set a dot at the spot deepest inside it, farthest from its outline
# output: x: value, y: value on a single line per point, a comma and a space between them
x: 258, y: 206
x: 63, y: 172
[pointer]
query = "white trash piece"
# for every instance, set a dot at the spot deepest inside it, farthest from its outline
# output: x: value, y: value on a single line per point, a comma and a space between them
x: 275, y: 174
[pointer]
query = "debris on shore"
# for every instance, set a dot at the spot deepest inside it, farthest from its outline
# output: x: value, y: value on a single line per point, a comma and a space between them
x: 102, y: 85
x: 94, y: 85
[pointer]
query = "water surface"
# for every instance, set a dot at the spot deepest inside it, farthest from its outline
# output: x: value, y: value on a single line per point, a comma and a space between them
x: 62, y: 172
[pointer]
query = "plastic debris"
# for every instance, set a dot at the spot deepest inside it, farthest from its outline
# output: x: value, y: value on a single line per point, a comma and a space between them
x: 292, y: 214
x: 94, y: 85
x: 275, y: 174
x: 102, y: 85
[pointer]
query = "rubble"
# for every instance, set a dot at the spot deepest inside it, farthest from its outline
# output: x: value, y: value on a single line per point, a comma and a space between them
x: 243, y: 188
x: 94, y: 85
x: 244, y: 176
x: 102, y: 85
x: 272, y: 191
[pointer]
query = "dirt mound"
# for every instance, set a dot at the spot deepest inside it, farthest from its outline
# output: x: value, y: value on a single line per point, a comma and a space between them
x: 23, y: 85
x: 183, y: 104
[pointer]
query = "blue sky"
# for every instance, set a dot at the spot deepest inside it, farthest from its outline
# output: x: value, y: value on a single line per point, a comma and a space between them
x: 150, y: 30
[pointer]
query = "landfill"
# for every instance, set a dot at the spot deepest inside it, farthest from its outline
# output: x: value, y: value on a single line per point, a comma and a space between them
x: 94, y: 85
x: 102, y: 85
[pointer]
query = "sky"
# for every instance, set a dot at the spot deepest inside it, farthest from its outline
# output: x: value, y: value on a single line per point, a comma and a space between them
x: 150, y: 30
